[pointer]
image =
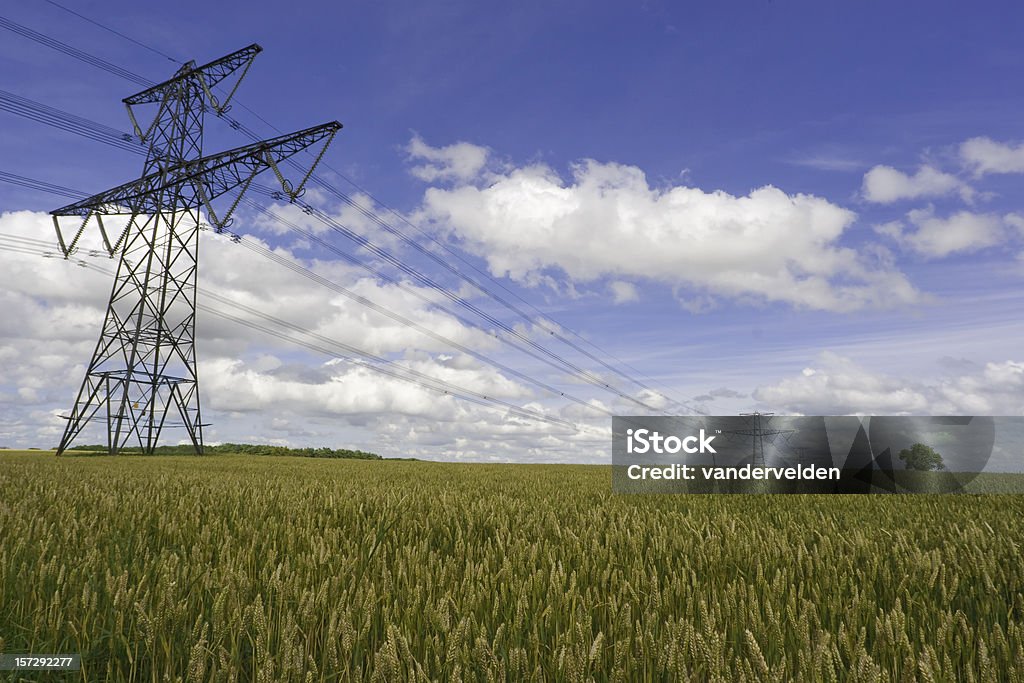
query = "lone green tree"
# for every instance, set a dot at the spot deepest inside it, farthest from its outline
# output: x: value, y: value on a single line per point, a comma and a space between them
x: 921, y: 457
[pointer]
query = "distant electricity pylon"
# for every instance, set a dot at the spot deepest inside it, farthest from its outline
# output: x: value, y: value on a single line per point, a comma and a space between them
x: 757, y: 433
x: 144, y: 367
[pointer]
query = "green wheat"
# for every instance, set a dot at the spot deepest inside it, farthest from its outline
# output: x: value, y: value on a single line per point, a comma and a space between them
x: 240, y: 568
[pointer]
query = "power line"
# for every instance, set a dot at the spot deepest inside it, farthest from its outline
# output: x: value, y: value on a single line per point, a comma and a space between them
x: 114, y: 31
x: 109, y: 135
x: 591, y: 378
x: 388, y: 367
x: 478, y: 285
x: 71, y: 123
x: 93, y: 130
x: 320, y: 343
x: 21, y: 180
x: 561, y: 363
x: 372, y: 216
x: 407, y: 322
x: 398, y: 317
x: 364, y: 301
x: 30, y: 246
x: 41, y: 185
x: 405, y: 238
x: 70, y: 51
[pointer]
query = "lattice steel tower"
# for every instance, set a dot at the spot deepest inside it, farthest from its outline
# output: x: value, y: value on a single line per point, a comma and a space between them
x: 757, y: 431
x: 142, y: 377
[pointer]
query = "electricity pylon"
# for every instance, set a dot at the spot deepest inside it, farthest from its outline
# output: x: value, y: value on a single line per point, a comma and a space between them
x: 144, y: 367
x: 757, y: 433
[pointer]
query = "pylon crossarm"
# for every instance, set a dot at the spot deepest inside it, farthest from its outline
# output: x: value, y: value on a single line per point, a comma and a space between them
x: 212, y: 73
x: 226, y: 104
x: 222, y: 107
x: 218, y: 172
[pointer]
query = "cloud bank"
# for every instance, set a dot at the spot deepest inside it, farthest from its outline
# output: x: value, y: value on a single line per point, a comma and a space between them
x: 608, y: 222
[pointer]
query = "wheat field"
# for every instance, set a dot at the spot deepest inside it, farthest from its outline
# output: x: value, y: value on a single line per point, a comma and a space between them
x: 245, y: 568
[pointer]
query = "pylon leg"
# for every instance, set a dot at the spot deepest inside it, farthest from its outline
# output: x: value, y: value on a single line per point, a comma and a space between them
x: 143, y: 369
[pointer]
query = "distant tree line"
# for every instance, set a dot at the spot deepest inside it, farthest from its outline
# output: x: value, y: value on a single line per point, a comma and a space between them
x: 247, y: 449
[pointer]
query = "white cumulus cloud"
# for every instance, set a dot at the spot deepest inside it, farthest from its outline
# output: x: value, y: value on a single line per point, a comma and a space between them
x: 885, y: 184
x: 983, y: 155
x: 933, y: 236
x: 460, y: 161
x: 836, y: 385
x: 623, y: 292
x: 608, y: 222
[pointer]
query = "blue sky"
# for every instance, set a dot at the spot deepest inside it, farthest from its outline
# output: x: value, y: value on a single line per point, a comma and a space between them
x: 800, y: 207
